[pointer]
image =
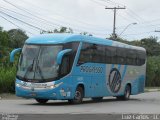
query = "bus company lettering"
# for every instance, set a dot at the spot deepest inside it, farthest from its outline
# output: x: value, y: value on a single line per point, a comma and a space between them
x: 115, y: 80
x: 91, y: 69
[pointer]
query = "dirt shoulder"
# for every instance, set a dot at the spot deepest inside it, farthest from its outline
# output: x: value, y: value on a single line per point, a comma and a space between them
x: 152, y: 89
x: 8, y: 96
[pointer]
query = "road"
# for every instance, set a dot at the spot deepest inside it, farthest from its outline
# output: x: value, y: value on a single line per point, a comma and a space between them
x: 146, y: 103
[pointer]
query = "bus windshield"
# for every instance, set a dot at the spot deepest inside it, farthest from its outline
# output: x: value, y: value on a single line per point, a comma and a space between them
x: 38, y: 62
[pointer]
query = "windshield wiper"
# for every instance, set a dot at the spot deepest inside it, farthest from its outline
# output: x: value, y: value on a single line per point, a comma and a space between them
x: 30, y: 68
x: 40, y: 71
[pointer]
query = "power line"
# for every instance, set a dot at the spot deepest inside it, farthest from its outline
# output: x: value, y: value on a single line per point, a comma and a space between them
x: 26, y: 16
x: 14, y: 24
x: 112, y: 2
x: 25, y: 10
x: 98, y: 3
x: 74, y: 28
x: 68, y: 17
x: 21, y: 21
x: 135, y: 14
x: 138, y: 33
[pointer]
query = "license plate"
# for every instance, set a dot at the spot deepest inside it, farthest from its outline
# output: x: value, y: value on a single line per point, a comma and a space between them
x: 33, y: 94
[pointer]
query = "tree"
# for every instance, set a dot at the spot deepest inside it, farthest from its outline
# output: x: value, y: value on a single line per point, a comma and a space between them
x: 4, y: 38
x: 86, y: 33
x: 60, y: 30
x: 63, y: 30
x: 17, y: 38
x: 151, y: 45
x: 4, y: 42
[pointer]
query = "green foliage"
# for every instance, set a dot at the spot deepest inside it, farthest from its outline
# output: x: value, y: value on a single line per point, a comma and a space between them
x: 4, y: 38
x: 86, y: 33
x: 63, y: 30
x: 60, y: 30
x: 7, y: 79
x: 153, y: 71
x: 17, y: 38
x: 9, y: 40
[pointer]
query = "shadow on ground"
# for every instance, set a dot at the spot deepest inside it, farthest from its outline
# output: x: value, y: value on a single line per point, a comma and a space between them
x: 88, y: 101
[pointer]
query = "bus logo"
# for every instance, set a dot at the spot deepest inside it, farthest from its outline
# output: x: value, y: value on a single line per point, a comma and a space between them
x: 115, y: 80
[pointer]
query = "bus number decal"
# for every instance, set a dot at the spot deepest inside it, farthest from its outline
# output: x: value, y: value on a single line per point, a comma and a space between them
x: 91, y: 69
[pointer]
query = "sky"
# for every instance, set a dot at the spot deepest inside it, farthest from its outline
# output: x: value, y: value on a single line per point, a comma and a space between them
x: 83, y: 16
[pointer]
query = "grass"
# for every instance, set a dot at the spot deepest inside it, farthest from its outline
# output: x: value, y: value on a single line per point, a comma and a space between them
x: 152, y: 87
x: 148, y: 89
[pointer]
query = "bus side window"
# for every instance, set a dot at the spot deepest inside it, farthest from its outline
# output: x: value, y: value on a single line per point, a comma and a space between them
x: 121, y: 56
x: 65, y: 66
x: 131, y: 57
x: 67, y: 61
x: 98, y: 54
x: 108, y: 55
x: 85, y: 55
x: 140, y: 58
x: 112, y: 55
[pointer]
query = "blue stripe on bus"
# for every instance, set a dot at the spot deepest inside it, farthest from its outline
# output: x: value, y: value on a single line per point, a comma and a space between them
x: 119, y: 67
x: 124, y: 71
x: 112, y: 66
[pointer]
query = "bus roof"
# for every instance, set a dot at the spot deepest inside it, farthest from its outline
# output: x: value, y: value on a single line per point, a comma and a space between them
x: 67, y: 37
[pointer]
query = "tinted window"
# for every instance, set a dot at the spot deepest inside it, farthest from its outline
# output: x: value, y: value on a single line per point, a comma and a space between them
x: 85, y: 55
x: 121, y: 55
x: 141, y: 57
x: 131, y: 57
x: 98, y: 54
x: 111, y: 55
x: 68, y: 59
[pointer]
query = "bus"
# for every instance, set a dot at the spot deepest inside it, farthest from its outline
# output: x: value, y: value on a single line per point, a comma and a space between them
x: 72, y: 67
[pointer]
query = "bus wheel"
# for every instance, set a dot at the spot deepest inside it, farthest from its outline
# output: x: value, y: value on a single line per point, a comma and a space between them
x: 42, y: 101
x: 97, y: 99
x: 127, y: 93
x: 78, y: 98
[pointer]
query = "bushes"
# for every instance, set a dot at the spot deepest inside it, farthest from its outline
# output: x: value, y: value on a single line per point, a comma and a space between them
x: 7, y: 79
x: 153, y: 71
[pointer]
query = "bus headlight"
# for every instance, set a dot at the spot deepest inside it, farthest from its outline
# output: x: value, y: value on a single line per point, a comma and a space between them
x: 18, y: 85
x: 55, y: 85
x: 52, y: 86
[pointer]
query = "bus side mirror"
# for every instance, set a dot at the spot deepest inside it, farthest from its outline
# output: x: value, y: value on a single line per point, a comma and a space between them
x: 13, y: 54
x: 61, y: 54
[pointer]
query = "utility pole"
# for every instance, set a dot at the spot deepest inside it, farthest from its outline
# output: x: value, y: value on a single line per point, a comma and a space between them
x: 157, y: 30
x: 114, y: 21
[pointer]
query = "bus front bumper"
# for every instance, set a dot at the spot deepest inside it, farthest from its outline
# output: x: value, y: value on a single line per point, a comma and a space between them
x: 52, y: 91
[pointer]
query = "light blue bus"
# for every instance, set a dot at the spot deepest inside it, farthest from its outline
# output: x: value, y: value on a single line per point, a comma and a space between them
x: 72, y: 67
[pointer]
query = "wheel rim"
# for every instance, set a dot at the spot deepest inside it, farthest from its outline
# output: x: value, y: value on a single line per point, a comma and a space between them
x: 78, y: 95
x: 127, y: 92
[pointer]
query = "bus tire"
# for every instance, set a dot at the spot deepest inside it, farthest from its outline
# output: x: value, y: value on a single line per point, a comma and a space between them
x: 42, y: 101
x: 78, y: 97
x: 127, y: 93
x: 97, y: 99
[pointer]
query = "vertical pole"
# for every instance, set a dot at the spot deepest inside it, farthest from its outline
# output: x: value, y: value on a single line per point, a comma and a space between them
x: 114, y: 24
x: 114, y: 21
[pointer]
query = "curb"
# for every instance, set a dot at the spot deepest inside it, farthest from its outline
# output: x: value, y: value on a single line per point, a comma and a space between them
x: 152, y: 90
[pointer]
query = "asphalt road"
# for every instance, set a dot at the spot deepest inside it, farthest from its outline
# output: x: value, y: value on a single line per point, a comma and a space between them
x: 146, y: 103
